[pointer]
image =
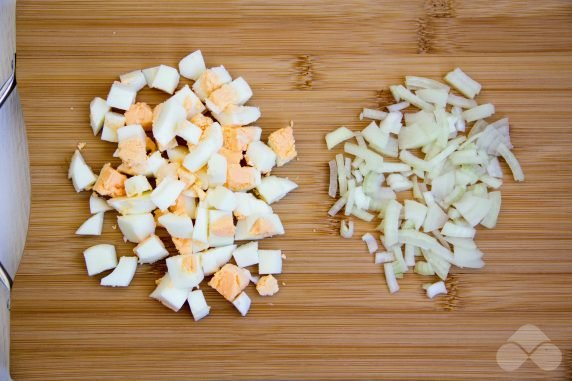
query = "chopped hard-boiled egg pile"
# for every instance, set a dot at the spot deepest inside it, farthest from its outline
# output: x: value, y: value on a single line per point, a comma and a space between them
x: 194, y: 166
x: 450, y: 179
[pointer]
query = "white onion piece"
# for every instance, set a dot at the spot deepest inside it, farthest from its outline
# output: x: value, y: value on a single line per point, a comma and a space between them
x: 454, y: 230
x: 462, y: 102
x: 342, y: 179
x: 362, y: 214
x: 399, y: 92
x: 333, y: 188
x: 462, y: 82
x: 490, y: 220
x: 390, y: 278
x: 338, y: 205
x: 413, y: 83
x: 398, y: 106
x: 391, y: 223
x: 369, y: 113
x: 383, y: 257
x: 424, y: 241
x: 346, y: 229
x: 435, y: 289
x: 410, y: 255
x: 512, y: 162
x: 338, y: 136
x: 371, y: 242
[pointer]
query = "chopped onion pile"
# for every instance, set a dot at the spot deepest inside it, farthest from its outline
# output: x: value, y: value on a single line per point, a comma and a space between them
x: 194, y: 166
x: 452, y: 179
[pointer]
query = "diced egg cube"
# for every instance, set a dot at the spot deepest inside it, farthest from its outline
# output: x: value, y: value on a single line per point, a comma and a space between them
x: 164, y: 126
x: 241, y: 179
x: 242, y: 303
x: 185, y: 270
x: 201, y: 231
x: 112, y: 122
x: 92, y: 226
x: 193, y: 65
x: 238, y: 115
x: 260, y: 156
x: 98, y: 204
x: 221, y: 228
x: 150, y: 74
x: 258, y: 226
x: 222, y: 198
x: 198, y: 304
x: 133, y: 205
x: 177, y: 154
x: 273, y: 188
x: 135, y: 79
x: 210, y: 80
x: 167, y: 192
x: 166, y: 79
x: 151, y: 250
x: 230, y: 280
x: 80, y: 173
x: 169, y: 295
x: 100, y: 258
x: 179, y: 226
x: 189, y: 100
x: 121, y: 96
x: 270, y: 262
x: 123, y: 274
x: 188, y: 131
x: 213, y: 259
x: 136, y: 185
x: 200, y: 154
x: 238, y: 92
x: 248, y: 205
x: 136, y: 227
x: 216, y: 169
x: 246, y: 255
x: 154, y: 162
x: 97, y: 110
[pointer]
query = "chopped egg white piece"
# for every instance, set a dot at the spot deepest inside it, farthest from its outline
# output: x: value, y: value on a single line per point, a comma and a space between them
x: 222, y: 198
x: 167, y: 192
x: 188, y: 131
x: 200, y: 154
x: 98, y: 204
x: 92, y: 226
x: 80, y: 173
x: 100, y: 258
x: 269, y: 262
x: 248, y: 205
x: 189, y: 100
x: 234, y: 115
x: 150, y: 74
x: 273, y: 188
x: 111, y: 123
x: 98, y: 108
x: 221, y: 228
x: 178, y: 226
x: 137, y: 185
x: 135, y: 79
x: 213, y: 259
x: 136, y: 227
x: 121, y: 96
x: 216, y: 169
x: 133, y: 205
x: 246, y: 255
x: 185, y: 270
x: 193, y: 65
x: 123, y: 273
x: 258, y: 226
x: 198, y: 304
x: 165, y: 125
x: 151, y: 250
x: 242, y: 303
x: 166, y: 79
x: 201, y: 231
x: 168, y: 294
x: 260, y: 156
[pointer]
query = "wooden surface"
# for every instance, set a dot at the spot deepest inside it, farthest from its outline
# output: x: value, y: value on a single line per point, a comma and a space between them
x: 317, y: 63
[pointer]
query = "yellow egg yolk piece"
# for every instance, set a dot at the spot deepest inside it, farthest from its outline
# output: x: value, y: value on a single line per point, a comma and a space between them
x: 110, y: 182
x: 140, y: 113
x: 267, y: 286
x: 229, y: 281
x: 283, y: 144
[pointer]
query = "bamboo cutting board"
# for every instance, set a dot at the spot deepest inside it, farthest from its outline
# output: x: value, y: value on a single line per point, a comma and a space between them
x: 317, y: 63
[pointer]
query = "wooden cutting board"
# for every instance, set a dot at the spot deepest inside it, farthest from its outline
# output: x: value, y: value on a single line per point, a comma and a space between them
x: 317, y: 63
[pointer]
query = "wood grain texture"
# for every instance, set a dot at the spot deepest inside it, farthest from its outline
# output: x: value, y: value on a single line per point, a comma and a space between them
x: 316, y: 63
